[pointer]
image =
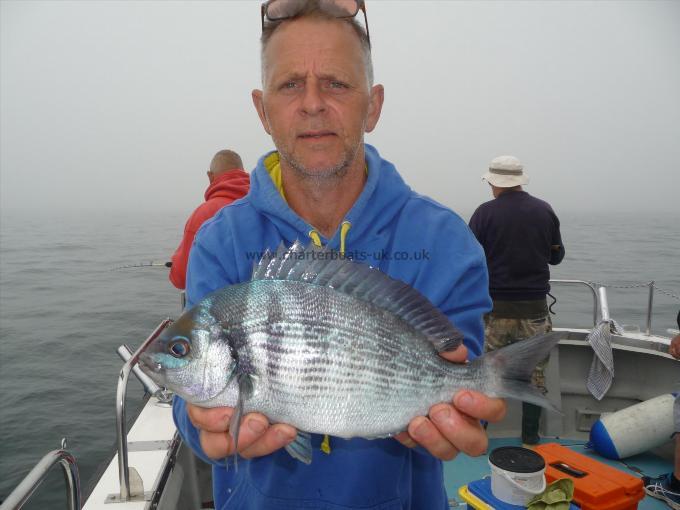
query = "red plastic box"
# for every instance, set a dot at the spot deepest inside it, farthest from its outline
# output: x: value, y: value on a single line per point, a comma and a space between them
x: 597, y: 486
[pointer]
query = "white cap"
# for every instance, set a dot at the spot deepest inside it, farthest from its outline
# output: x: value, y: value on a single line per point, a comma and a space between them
x: 506, y: 172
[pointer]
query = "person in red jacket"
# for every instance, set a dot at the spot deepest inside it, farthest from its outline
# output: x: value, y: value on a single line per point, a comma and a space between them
x: 228, y: 182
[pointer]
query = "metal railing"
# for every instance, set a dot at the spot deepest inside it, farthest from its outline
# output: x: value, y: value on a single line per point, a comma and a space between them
x: 121, y: 432
x: 650, y: 302
x: 150, y: 387
x: 651, y: 285
x: 35, y: 477
x: 592, y: 290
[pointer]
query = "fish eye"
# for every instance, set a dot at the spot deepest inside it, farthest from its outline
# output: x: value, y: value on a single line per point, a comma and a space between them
x: 179, y: 347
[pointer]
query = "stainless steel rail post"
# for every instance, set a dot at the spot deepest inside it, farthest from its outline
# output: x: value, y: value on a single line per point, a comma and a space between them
x: 604, y: 304
x: 35, y: 477
x: 121, y: 431
x: 649, y: 307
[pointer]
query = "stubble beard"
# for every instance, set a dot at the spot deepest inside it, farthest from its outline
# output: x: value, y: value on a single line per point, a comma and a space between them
x: 323, y: 176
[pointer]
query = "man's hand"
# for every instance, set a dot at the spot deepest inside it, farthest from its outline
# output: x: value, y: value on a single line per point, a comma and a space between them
x: 674, y: 348
x: 453, y: 428
x: 256, y: 436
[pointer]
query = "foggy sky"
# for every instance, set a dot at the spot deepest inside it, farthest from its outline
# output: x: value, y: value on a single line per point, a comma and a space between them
x: 121, y: 105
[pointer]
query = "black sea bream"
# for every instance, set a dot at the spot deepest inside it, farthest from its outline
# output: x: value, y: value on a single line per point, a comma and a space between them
x: 329, y: 346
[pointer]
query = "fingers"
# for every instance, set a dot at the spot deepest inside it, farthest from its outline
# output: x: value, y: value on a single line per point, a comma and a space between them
x: 459, y: 355
x: 275, y: 437
x: 447, y: 432
x: 453, y: 428
x: 405, y: 439
x: 431, y: 436
x: 215, y: 445
x: 218, y: 444
x: 480, y: 406
x: 256, y: 437
x: 213, y: 426
x: 466, y: 434
x: 674, y: 348
x: 215, y: 419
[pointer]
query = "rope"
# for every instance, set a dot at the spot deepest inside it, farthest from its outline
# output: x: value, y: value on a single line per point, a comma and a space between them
x: 554, y: 300
x: 666, y: 292
x: 611, y: 286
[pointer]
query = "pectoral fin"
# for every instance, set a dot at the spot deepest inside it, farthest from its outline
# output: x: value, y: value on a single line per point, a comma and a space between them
x: 245, y: 390
x: 301, y: 447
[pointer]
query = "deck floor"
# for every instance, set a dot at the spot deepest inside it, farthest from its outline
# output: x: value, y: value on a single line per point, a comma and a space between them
x: 464, y: 469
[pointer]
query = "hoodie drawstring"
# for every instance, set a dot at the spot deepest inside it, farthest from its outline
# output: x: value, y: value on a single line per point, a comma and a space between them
x: 316, y: 239
x: 344, y: 230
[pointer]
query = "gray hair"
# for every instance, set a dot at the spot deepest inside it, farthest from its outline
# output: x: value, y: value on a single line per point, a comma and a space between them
x: 312, y: 9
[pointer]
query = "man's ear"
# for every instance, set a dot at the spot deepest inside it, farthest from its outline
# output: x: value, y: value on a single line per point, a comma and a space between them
x: 259, y: 106
x: 375, y: 104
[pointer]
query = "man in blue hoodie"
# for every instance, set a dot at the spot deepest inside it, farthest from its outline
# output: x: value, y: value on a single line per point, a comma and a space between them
x: 324, y: 185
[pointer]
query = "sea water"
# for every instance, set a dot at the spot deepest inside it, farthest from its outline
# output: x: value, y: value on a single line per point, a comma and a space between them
x: 64, y: 309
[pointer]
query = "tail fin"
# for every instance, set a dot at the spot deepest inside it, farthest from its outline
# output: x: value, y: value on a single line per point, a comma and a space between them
x: 509, y: 369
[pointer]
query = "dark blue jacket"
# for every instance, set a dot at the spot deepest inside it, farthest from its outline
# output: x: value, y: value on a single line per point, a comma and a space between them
x: 517, y: 232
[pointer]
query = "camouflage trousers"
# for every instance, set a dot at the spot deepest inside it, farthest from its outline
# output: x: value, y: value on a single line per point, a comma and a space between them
x: 499, y: 332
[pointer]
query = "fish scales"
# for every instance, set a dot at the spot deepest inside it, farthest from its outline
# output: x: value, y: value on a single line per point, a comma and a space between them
x: 338, y: 359
x: 361, y: 352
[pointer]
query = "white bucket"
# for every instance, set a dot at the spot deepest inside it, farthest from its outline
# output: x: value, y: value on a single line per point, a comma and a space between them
x: 516, y: 474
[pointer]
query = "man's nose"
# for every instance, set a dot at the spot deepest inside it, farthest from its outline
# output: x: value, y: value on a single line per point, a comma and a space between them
x: 313, y: 101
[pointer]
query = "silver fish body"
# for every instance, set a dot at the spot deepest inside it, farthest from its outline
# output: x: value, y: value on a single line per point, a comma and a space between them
x: 335, y: 348
x: 326, y: 362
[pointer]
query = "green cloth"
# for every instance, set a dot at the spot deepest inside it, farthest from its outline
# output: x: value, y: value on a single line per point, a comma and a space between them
x: 556, y: 496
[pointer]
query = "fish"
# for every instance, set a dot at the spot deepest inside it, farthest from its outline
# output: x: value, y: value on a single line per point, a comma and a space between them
x: 329, y: 346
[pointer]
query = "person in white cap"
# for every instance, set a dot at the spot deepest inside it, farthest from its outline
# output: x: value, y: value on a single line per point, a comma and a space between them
x: 520, y: 235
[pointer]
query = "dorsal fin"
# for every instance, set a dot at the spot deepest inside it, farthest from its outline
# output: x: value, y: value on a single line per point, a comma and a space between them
x: 328, y: 268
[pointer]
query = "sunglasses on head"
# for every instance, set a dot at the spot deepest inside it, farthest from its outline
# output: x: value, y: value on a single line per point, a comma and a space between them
x: 277, y: 10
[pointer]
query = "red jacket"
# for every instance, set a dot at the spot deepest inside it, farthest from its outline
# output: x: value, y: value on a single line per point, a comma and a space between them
x: 226, y: 188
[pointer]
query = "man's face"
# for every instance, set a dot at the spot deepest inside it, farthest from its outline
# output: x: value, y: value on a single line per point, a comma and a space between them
x: 316, y: 103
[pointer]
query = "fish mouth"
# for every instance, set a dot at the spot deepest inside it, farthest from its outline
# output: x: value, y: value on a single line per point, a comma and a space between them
x: 147, y: 364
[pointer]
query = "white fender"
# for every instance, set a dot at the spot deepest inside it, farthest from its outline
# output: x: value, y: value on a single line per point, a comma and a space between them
x: 635, y: 429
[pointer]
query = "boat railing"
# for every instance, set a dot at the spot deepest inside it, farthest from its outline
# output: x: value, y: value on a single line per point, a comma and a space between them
x: 590, y: 286
x: 121, y: 432
x: 151, y: 387
x: 650, y: 301
x: 596, y: 286
x: 21, y: 494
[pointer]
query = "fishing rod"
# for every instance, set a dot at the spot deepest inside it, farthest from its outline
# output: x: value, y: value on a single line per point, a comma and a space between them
x: 151, y: 263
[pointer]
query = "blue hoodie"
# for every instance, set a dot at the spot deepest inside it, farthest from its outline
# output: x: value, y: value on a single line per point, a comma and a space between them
x: 409, y: 237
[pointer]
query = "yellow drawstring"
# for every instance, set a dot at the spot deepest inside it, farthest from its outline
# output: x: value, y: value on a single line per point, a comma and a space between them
x: 344, y: 229
x: 326, y: 445
x: 315, y: 237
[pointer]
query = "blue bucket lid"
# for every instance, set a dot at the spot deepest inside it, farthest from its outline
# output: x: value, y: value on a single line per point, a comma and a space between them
x: 517, y: 459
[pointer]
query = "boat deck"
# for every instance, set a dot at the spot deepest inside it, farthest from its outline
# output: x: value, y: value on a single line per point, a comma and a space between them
x: 464, y: 469
x: 149, y: 442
